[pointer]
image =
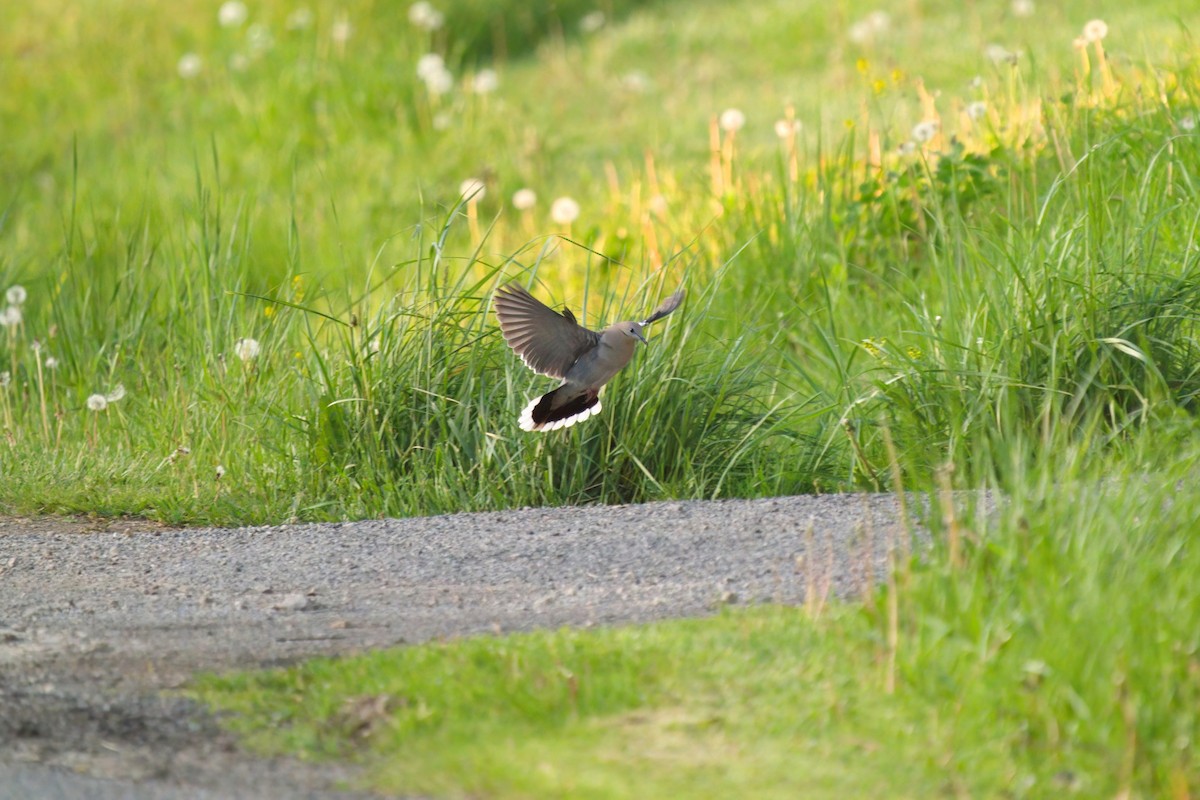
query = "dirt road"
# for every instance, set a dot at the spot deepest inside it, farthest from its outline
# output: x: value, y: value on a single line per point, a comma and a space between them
x: 95, y: 623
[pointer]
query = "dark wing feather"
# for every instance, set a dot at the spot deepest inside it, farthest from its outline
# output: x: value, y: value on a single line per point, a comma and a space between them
x: 548, y: 342
x: 669, y: 305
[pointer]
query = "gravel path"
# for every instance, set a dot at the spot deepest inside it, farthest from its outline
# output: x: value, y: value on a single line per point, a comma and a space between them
x: 95, y: 624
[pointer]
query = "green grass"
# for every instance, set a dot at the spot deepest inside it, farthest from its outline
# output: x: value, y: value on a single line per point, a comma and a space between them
x: 1059, y: 655
x: 303, y: 192
x: 1011, y: 305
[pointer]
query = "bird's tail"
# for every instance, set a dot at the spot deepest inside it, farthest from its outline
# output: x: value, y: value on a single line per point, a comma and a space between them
x: 560, y: 408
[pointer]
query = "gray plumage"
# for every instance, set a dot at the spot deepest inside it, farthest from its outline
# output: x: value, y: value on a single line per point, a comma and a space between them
x: 556, y: 345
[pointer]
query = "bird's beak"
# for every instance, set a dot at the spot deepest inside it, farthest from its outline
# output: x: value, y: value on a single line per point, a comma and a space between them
x: 643, y: 338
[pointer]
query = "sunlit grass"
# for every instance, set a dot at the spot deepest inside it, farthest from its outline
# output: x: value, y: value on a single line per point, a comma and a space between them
x: 922, y: 259
x: 1051, y: 653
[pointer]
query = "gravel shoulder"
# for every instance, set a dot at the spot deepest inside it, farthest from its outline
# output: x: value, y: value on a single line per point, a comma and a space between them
x: 99, y: 621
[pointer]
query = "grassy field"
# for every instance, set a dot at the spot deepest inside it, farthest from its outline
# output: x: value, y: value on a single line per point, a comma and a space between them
x: 978, y: 243
x: 1050, y: 654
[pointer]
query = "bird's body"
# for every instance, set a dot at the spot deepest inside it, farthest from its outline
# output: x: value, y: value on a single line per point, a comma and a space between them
x: 556, y: 345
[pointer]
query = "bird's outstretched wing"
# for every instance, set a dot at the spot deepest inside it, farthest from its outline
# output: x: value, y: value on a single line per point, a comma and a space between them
x: 669, y: 305
x: 548, y: 342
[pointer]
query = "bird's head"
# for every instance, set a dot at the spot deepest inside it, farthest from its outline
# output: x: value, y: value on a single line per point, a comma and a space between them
x: 631, y: 329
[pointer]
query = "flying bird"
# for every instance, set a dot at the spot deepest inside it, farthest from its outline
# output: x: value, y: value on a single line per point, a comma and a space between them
x: 556, y: 345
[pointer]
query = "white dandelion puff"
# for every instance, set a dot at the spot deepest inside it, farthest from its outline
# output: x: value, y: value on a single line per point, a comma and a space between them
x: 246, y: 349
x: 51, y: 363
x: 430, y: 64
x: 472, y: 190
x: 5, y: 379
x: 859, y: 33
x: 220, y: 472
x: 878, y: 21
x: 999, y: 54
x: 341, y: 31
x: 907, y: 148
x: 1022, y: 8
x: 732, y: 119
x: 786, y: 128
x: 116, y: 394
x: 869, y: 27
x: 485, y: 81
x: 11, y: 317
x: 592, y: 22
x: 300, y: 19
x: 258, y: 37
x: 924, y: 131
x: 189, y: 66
x: 524, y: 199
x: 636, y: 82
x: 424, y: 16
x: 1095, y: 30
x: 1187, y: 123
x: 232, y: 14
x: 976, y: 110
x: 97, y: 402
x: 440, y: 82
x: 564, y: 211
x: 16, y: 295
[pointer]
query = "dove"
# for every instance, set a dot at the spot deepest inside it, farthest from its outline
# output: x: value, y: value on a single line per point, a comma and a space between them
x: 557, y: 346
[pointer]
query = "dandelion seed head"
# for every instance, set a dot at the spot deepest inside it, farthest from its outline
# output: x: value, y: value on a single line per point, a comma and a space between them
x: 1022, y: 8
x: 999, y: 54
x: 189, y: 66
x: 11, y: 317
x: 472, y: 190
x: 732, y: 119
x: 220, y: 471
x: 787, y: 128
x: 232, y: 14
x: 424, y: 16
x: 924, y: 131
x: 36, y: 345
x: 907, y: 148
x: 258, y: 37
x: 976, y: 110
x: 430, y: 64
x: 116, y: 394
x: 564, y: 211
x: 246, y: 349
x: 524, y: 199
x: 485, y: 81
x: 1095, y: 30
x: 636, y: 82
x: 592, y: 22
x: 51, y: 363
x: 300, y: 19
x: 870, y: 27
x: 16, y: 295
x: 439, y: 81
x: 341, y: 31
x: 97, y: 402
x: 5, y: 379
x: 1186, y: 123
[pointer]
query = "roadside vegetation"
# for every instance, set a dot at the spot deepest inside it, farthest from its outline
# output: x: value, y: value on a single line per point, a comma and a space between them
x: 247, y: 266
